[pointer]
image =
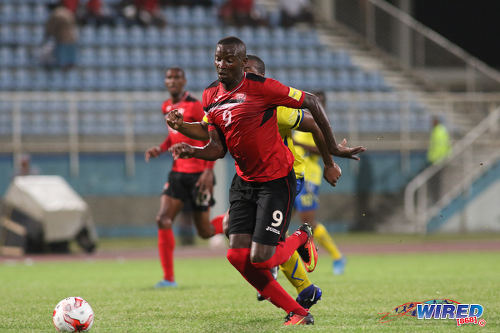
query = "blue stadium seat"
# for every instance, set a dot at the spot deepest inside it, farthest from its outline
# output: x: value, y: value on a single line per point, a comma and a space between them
x: 87, y: 36
x: 120, y: 57
x: 342, y: 59
x: 327, y: 79
x: 358, y: 80
x: 89, y: 79
x: 71, y: 80
x: 154, y: 79
x: 153, y: 57
x: 104, y: 36
x: 5, y: 118
x: 201, y: 58
x: 279, y: 37
x: 169, y: 57
x: 135, y: 36
x: 200, y: 36
x: 263, y: 37
x: 294, y: 58
x: 6, y: 57
x: 183, y: 16
x: 152, y: 36
x: 214, y: 35
x: 296, y: 78
x: 121, y: 79
x: 23, y: 14
x: 168, y: 37
x: 185, y: 57
x: 37, y: 35
x: 279, y: 58
x: 246, y: 35
x: 137, y: 57
x: 308, y: 38
x: 22, y: 79
x: 120, y: 36
x: 40, y: 80
x: 183, y: 37
x: 137, y: 80
x: 7, y: 13
x: 280, y: 75
x: 104, y: 57
x: 22, y: 35
x: 105, y: 80
x: 6, y: 34
x: 202, y: 16
x: 40, y: 14
x: 343, y: 80
x: 312, y: 80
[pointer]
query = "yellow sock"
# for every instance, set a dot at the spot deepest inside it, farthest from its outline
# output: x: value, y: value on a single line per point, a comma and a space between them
x: 296, y: 273
x: 323, y: 238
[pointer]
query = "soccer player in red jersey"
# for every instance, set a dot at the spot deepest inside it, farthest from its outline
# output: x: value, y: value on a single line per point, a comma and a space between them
x: 189, y: 182
x: 241, y: 107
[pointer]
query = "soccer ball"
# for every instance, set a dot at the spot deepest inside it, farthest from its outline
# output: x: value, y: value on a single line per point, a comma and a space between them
x: 73, y: 314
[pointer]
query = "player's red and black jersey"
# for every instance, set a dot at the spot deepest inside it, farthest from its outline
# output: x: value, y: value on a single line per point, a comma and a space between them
x: 192, y: 111
x: 246, y: 116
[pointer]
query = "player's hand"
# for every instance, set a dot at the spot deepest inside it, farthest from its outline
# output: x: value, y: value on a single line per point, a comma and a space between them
x: 175, y: 119
x: 152, y: 152
x: 181, y: 150
x: 206, y: 181
x: 347, y: 152
x: 332, y: 173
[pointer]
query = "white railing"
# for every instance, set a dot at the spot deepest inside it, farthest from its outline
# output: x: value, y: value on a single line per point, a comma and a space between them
x: 417, y: 207
x: 414, y: 46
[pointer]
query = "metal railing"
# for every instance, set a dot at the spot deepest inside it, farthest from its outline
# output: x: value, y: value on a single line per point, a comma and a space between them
x: 360, y: 117
x: 415, y: 47
x: 471, y: 156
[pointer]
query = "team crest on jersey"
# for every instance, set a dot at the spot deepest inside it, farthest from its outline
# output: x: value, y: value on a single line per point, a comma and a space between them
x: 240, y: 97
x: 295, y: 94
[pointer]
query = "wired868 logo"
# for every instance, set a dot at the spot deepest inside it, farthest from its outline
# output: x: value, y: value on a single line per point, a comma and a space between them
x: 438, y: 309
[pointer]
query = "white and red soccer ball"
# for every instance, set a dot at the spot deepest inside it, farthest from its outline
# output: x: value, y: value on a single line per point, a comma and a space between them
x: 73, y: 314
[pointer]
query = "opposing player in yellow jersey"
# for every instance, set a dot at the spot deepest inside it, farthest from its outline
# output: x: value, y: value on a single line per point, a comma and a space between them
x: 306, y: 202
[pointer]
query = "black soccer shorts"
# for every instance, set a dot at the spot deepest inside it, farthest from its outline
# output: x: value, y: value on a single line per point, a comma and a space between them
x: 182, y: 186
x: 263, y: 209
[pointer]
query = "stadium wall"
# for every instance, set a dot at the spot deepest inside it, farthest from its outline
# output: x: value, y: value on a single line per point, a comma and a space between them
x: 126, y: 205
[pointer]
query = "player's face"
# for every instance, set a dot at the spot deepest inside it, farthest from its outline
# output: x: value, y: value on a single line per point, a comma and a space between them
x: 175, y: 81
x: 229, y: 63
x: 251, y: 67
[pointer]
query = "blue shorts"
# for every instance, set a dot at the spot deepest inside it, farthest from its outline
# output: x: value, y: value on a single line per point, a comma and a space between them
x: 300, y: 184
x: 307, y: 199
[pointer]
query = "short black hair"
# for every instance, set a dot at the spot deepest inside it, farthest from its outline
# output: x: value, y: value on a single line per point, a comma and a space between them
x: 260, y: 65
x: 231, y: 40
x: 176, y: 69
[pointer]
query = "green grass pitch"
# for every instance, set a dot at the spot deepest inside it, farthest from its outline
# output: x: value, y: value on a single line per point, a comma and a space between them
x: 213, y: 297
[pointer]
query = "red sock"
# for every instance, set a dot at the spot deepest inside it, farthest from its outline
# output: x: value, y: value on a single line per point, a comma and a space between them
x: 284, y: 250
x: 263, y: 281
x: 166, y: 245
x: 217, y: 223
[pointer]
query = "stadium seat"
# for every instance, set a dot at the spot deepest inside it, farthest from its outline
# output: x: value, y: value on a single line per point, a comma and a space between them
x: 7, y: 13
x: 104, y: 36
x: 104, y: 57
x: 22, y: 35
x: 87, y: 36
x: 40, y: 14
x: 136, y: 57
x: 153, y: 57
x: 22, y: 79
x: 121, y: 79
x: 137, y: 80
x: 263, y: 37
x: 6, y: 57
x: 152, y: 36
x: 23, y: 14
x: 183, y: 37
x: 135, y: 36
x: 40, y: 80
x: 119, y: 36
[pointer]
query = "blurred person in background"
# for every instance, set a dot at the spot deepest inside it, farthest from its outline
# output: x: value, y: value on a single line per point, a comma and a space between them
x: 25, y: 168
x: 306, y: 202
x: 439, y: 149
x: 62, y: 31
x: 240, y: 13
x: 295, y: 11
x: 92, y: 12
x: 190, y: 182
x: 143, y: 12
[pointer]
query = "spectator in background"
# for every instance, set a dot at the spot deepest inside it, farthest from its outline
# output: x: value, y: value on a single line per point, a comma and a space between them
x: 295, y: 11
x: 240, y: 13
x: 439, y: 149
x: 94, y: 11
x: 61, y: 28
x: 144, y: 12
x: 25, y: 168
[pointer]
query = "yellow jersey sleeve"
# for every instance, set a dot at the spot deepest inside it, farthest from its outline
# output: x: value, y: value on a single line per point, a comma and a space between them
x: 305, y: 138
x: 289, y: 118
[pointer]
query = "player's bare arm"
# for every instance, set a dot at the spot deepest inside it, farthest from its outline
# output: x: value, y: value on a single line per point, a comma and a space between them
x: 152, y: 152
x: 206, y: 181
x: 194, y: 130
x: 212, y: 151
x: 313, y: 104
x: 331, y: 171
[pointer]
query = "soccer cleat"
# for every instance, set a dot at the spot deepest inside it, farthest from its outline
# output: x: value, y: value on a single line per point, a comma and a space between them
x: 166, y: 284
x: 339, y: 266
x: 295, y: 319
x: 274, y: 272
x: 307, y: 251
x: 309, y: 296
